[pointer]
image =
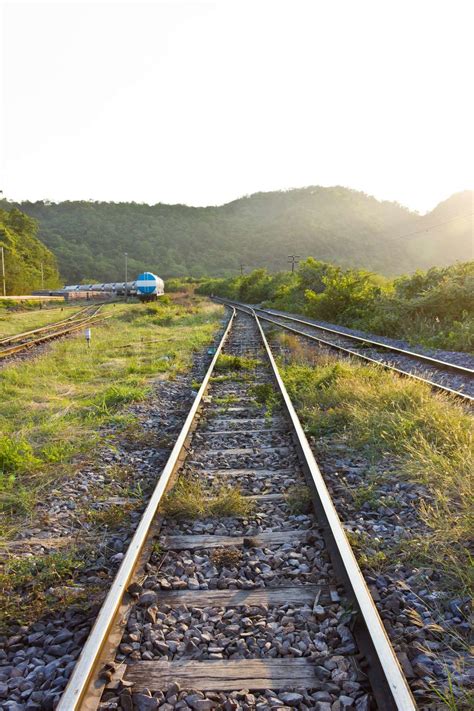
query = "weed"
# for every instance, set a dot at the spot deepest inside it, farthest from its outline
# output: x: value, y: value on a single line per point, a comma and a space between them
x: 109, y: 516
x: 226, y: 557
x: 23, y: 582
x: 298, y: 498
x: 265, y: 394
x: 188, y: 499
x: 233, y: 362
x: 450, y: 699
x: 230, y: 377
x: 17, y: 500
x: 369, y: 494
x: 368, y: 551
x: 225, y: 399
x: 16, y: 454
x: 156, y: 548
x: 139, y: 437
x: 120, y: 472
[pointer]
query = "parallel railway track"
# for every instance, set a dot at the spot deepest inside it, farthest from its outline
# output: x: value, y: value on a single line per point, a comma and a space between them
x: 439, y: 374
x: 272, y: 602
x: 19, y: 342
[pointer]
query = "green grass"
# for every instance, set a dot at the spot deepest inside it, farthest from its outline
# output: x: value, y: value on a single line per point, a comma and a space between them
x: 234, y: 363
x: 108, y: 516
x: 430, y: 436
x: 266, y: 395
x: 24, y: 582
x: 52, y: 407
x: 188, y: 499
x: 12, y: 321
x: 298, y: 498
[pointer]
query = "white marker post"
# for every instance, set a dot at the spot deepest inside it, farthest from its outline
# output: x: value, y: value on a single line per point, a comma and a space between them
x: 88, y: 337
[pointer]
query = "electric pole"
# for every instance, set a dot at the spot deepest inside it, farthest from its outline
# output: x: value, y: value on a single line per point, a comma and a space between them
x: 126, y: 274
x: 3, y: 265
x: 42, y: 276
x: 3, y: 271
x: 242, y: 269
x: 293, y: 259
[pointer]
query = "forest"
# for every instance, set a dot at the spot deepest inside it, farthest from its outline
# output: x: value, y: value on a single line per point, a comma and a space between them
x: 29, y: 265
x: 344, y: 227
x: 434, y: 308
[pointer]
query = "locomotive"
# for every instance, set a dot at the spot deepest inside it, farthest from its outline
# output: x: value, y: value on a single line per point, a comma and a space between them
x: 146, y: 287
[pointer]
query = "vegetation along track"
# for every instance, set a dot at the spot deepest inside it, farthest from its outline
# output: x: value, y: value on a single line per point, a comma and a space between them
x: 439, y: 374
x: 12, y: 345
x: 239, y: 589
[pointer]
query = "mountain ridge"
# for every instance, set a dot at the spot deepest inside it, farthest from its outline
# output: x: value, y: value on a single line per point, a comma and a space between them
x: 339, y: 225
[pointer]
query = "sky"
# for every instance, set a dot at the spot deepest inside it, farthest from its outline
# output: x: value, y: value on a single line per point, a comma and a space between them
x: 203, y: 102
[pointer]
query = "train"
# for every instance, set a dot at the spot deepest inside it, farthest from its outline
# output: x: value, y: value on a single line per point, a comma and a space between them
x: 146, y: 287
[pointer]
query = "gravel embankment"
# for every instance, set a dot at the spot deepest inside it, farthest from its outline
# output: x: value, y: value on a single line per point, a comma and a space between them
x: 456, y: 381
x: 429, y: 627
x: 36, y: 660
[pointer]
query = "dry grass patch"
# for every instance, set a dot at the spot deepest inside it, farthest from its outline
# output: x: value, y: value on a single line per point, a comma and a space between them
x: 429, y: 434
x: 226, y: 557
x: 188, y: 499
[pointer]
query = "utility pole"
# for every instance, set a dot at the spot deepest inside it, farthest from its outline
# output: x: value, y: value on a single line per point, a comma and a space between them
x: 242, y: 269
x: 3, y: 272
x: 42, y: 276
x: 126, y: 274
x: 293, y: 259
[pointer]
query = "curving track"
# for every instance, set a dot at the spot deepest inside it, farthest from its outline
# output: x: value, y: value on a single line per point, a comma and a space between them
x: 439, y: 374
x: 272, y: 601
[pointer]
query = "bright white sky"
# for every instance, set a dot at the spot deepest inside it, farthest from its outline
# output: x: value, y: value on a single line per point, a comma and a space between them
x: 202, y: 102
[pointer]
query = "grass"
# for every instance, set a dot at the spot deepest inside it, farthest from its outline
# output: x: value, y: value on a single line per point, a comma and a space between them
x: 369, y: 551
x: 226, y: 399
x: 234, y: 363
x: 298, y: 498
x: 188, y: 499
x: 27, y: 585
x: 265, y: 394
x: 53, y: 407
x: 17, y: 321
x: 429, y: 435
x: 108, y: 516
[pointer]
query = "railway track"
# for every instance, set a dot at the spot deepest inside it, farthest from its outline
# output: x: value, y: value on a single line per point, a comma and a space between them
x: 262, y: 609
x: 19, y: 342
x: 441, y: 375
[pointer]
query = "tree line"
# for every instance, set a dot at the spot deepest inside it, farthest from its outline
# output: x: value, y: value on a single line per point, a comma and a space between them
x: 433, y: 307
x: 29, y: 265
x: 340, y: 226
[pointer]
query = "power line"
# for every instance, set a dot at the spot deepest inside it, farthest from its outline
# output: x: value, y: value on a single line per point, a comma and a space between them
x: 427, y: 229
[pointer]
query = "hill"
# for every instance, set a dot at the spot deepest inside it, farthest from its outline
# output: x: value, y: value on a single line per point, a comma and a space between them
x: 28, y: 263
x: 337, y: 225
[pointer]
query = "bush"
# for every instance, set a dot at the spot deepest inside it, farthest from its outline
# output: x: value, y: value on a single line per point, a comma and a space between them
x: 433, y: 308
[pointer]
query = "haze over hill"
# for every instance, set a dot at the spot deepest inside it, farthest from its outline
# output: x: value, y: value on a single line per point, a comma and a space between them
x: 336, y: 224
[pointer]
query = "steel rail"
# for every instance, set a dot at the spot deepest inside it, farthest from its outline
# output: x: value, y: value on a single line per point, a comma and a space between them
x: 85, y: 670
x: 48, y: 327
x: 373, y: 361
x: 91, y: 320
x: 429, y: 360
x: 389, y: 680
